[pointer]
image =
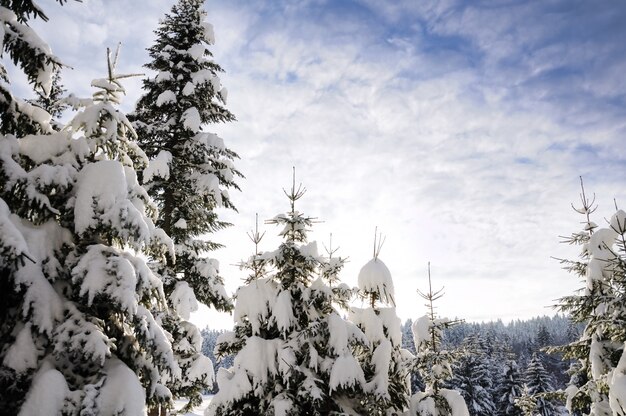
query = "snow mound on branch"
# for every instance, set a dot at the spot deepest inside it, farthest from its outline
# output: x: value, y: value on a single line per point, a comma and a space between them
x: 421, y: 330
x: 159, y: 167
x: 47, y: 394
x: 191, y: 119
x: 209, y: 35
x: 375, y: 277
x: 121, y: 392
x: 618, y: 222
x: 166, y: 97
x: 184, y: 300
x: 22, y: 355
x: 102, y: 196
x: 617, y: 387
x: 253, y: 302
x: 346, y: 372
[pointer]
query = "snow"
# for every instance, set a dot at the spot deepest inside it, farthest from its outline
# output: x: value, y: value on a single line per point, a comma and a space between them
x: 253, y: 301
x: 121, y: 392
x: 22, y: 354
x: 209, y: 35
x: 191, y: 119
x: 282, y: 311
x: 184, y: 300
x: 381, y: 358
x: 455, y: 401
x: 102, y: 198
x: 618, y: 222
x: 166, y: 97
x: 159, y: 167
x: 11, y: 239
x: 617, y: 386
x: 47, y: 394
x: 196, y: 51
x: 421, y: 330
x: 375, y: 277
x: 346, y: 372
x: 189, y: 88
x: 181, y: 224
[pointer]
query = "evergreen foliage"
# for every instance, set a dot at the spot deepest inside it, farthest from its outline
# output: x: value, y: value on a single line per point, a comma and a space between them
x: 596, y: 382
x: 33, y: 57
x: 510, y: 389
x: 76, y: 321
x: 473, y: 379
x: 384, y: 362
x: 293, y: 351
x: 189, y: 177
x: 539, y: 382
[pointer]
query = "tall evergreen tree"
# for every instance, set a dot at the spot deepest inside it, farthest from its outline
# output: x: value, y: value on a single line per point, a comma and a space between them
x: 473, y: 380
x: 434, y: 364
x: 79, y: 331
x: 189, y: 176
x: 539, y: 382
x: 384, y: 362
x: 293, y: 351
x: 510, y: 389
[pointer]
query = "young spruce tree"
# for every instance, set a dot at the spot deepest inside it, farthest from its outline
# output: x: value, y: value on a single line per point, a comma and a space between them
x: 293, y: 351
x: 384, y: 362
x: 190, y: 173
x: 596, y: 386
x: 434, y: 364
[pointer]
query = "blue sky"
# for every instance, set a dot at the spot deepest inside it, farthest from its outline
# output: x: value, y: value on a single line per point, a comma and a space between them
x: 458, y: 128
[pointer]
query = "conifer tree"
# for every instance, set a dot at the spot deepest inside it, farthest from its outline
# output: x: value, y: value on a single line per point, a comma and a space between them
x: 35, y: 59
x: 599, y: 306
x: 82, y: 334
x: 434, y: 364
x: 473, y: 380
x: 539, y: 382
x: 511, y: 387
x: 293, y: 351
x: 189, y: 177
x: 384, y: 362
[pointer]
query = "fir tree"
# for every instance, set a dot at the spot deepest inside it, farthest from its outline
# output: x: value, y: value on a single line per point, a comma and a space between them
x: 472, y: 378
x: 434, y: 364
x: 293, y: 351
x: 189, y: 176
x: 80, y: 330
x: 539, y: 382
x: 384, y: 362
x: 34, y: 57
x: 511, y: 387
x: 594, y: 386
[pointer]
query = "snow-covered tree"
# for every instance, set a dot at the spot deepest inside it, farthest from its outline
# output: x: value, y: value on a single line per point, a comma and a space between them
x: 433, y: 363
x: 473, y: 379
x: 539, y: 382
x: 596, y: 380
x: 510, y: 388
x: 189, y: 176
x: 33, y: 57
x: 293, y: 350
x: 384, y: 361
x: 78, y: 335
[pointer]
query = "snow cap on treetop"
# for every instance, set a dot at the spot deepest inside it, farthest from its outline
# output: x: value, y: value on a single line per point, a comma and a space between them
x: 375, y: 277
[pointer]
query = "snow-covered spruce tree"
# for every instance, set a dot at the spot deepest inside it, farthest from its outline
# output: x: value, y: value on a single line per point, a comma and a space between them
x: 434, y: 364
x: 293, y: 351
x: 472, y: 378
x: 78, y: 335
x: 385, y: 363
x: 189, y: 177
x: 539, y: 382
x: 33, y: 56
x: 595, y: 386
x: 511, y: 387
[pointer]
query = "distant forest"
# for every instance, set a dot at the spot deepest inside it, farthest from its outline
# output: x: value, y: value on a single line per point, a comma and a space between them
x: 493, y: 344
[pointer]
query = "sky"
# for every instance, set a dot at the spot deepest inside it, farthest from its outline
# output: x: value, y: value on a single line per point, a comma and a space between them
x: 458, y: 129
